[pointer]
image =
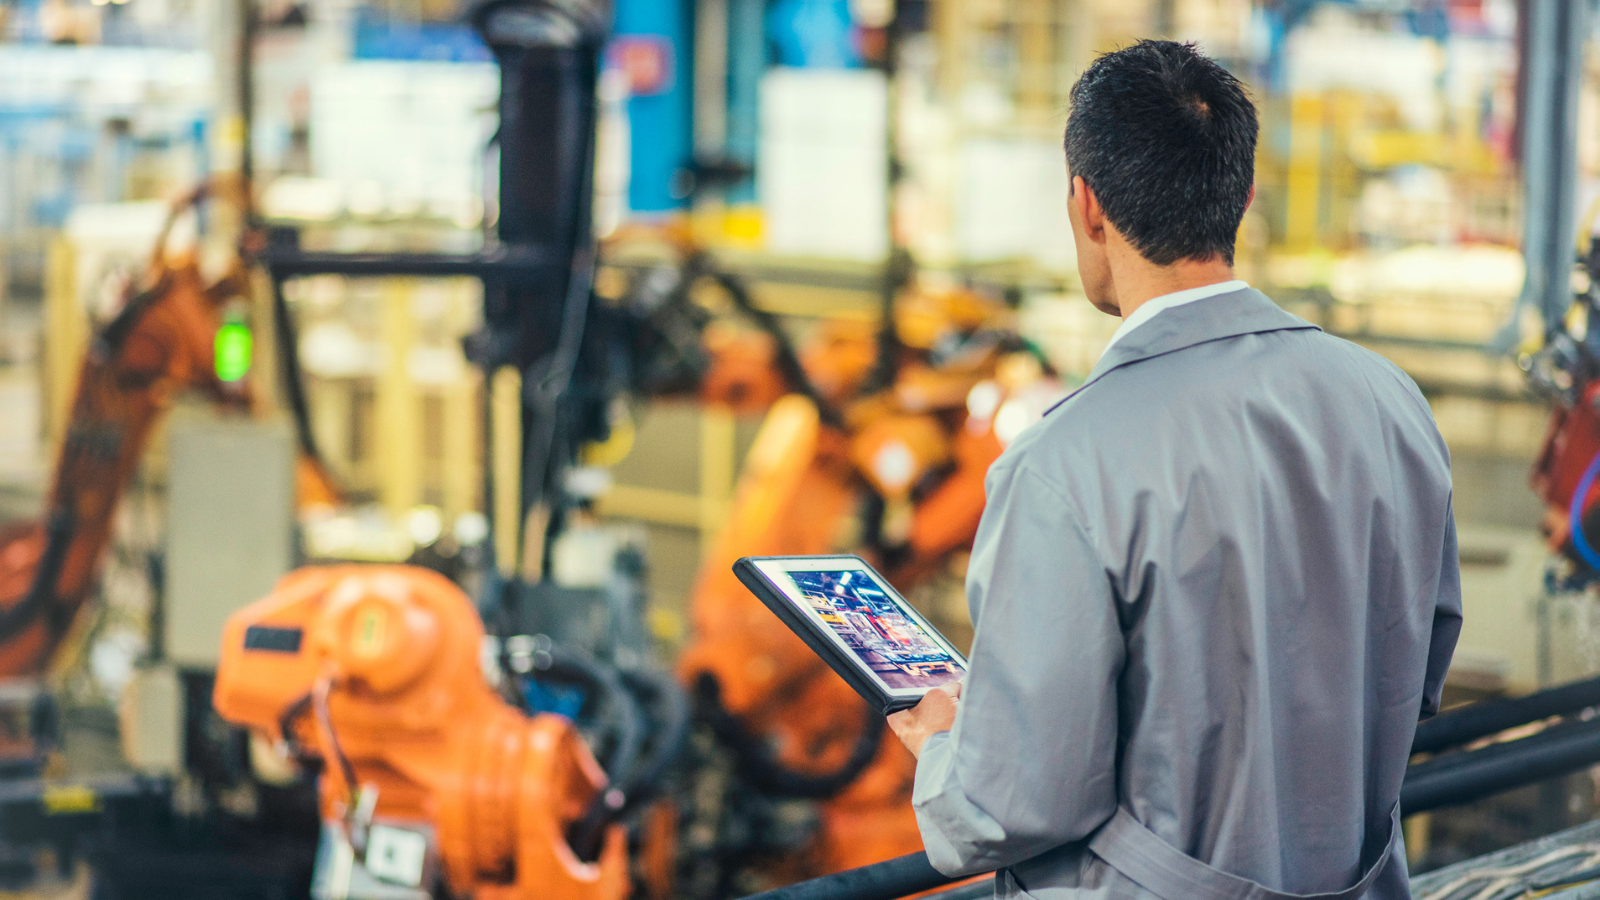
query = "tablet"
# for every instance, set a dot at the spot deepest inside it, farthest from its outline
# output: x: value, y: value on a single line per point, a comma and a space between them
x: 859, y: 624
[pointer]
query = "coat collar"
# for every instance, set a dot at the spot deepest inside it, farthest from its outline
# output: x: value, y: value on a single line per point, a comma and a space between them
x: 1245, y: 311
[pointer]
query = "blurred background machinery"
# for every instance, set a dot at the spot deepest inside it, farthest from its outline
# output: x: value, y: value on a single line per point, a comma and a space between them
x: 573, y: 303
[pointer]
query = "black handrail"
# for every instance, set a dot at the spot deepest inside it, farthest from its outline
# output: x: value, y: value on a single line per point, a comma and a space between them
x: 1443, y: 781
x: 1486, y: 717
x: 505, y: 263
x: 888, y: 880
x: 982, y: 889
x: 1462, y: 777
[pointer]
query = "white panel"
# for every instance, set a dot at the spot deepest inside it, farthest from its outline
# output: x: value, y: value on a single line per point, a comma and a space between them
x: 1013, y: 202
x: 150, y: 713
x: 1501, y: 572
x: 823, y: 164
x: 394, y: 133
x: 230, y: 508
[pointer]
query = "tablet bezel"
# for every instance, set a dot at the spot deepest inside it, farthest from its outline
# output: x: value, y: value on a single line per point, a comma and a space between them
x: 766, y: 576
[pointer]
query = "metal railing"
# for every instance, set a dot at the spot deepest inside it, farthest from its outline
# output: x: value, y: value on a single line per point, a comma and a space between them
x: 1445, y: 780
x: 888, y: 880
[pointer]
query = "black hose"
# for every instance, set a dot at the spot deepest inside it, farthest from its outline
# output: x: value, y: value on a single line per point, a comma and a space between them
x: 765, y: 772
x: 586, y: 836
x: 671, y: 728
x: 294, y: 385
x: 615, y: 700
x: 319, y: 706
x: 109, y: 341
x: 671, y: 718
x: 1487, y: 717
x: 786, y: 358
x: 286, y: 723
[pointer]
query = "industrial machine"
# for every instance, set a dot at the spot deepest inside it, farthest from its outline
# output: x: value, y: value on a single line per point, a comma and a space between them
x: 162, y: 341
x: 896, y: 474
x: 876, y: 439
x: 430, y: 776
x: 449, y: 763
x: 1567, y: 371
x: 439, y: 773
x: 175, y: 332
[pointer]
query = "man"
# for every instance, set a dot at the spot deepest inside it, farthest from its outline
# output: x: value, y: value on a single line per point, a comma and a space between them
x: 1217, y: 586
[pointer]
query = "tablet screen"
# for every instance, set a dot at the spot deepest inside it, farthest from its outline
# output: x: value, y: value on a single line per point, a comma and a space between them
x: 869, y: 619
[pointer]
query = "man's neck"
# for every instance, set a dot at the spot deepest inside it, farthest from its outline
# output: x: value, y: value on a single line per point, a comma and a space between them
x: 1141, y: 282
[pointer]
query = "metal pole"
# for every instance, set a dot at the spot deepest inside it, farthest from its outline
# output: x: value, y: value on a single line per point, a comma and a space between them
x: 710, y: 77
x: 1486, y: 717
x: 1462, y: 777
x: 1552, y: 63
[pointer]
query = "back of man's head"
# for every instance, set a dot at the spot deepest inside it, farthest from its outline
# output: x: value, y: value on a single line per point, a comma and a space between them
x: 1166, y: 138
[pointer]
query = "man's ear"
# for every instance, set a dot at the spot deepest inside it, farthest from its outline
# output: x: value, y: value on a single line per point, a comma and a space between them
x: 1087, y: 206
x: 1252, y: 198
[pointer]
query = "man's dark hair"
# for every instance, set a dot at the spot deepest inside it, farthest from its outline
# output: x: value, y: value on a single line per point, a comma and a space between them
x: 1167, y: 140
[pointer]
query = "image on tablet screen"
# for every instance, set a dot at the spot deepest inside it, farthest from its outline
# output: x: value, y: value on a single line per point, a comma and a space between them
x: 892, y: 645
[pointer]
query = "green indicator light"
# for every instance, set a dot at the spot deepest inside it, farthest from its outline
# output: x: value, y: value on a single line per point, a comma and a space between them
x: 234, y: 347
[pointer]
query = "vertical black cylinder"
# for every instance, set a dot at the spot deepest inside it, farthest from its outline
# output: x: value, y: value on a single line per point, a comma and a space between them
x: 549, y: 58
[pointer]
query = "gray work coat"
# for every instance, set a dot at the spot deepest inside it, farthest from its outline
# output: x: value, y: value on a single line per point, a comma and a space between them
x: 1214, y: 590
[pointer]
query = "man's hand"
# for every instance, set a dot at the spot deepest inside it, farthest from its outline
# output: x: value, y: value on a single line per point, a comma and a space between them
x: 936, y: 713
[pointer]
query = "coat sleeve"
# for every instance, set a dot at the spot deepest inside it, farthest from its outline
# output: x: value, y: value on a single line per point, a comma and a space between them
x: 1031, y: 761
x: 1446, y: 617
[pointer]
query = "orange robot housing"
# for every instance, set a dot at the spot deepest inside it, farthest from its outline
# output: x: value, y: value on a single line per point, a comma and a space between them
x: 376, y: 670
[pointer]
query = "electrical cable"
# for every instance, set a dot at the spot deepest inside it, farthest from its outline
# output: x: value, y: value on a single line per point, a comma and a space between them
x: 757, y: 763
x: 286, y: 722
x: 786, y: 359
x: 60, y: 528
x: 1575, y: 514
x: 109, y: 341
x: 586, y: 834
x: 294, y: 385
x: 614, y: 700
x: 324, y: 719
x: 544, y: 391
x: 1498, y: 878
x: 627, y: 794
x: 672, y: 719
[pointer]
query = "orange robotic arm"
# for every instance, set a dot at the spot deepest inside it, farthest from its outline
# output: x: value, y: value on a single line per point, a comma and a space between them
x: 161, y: 343
x: 375, y: 670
